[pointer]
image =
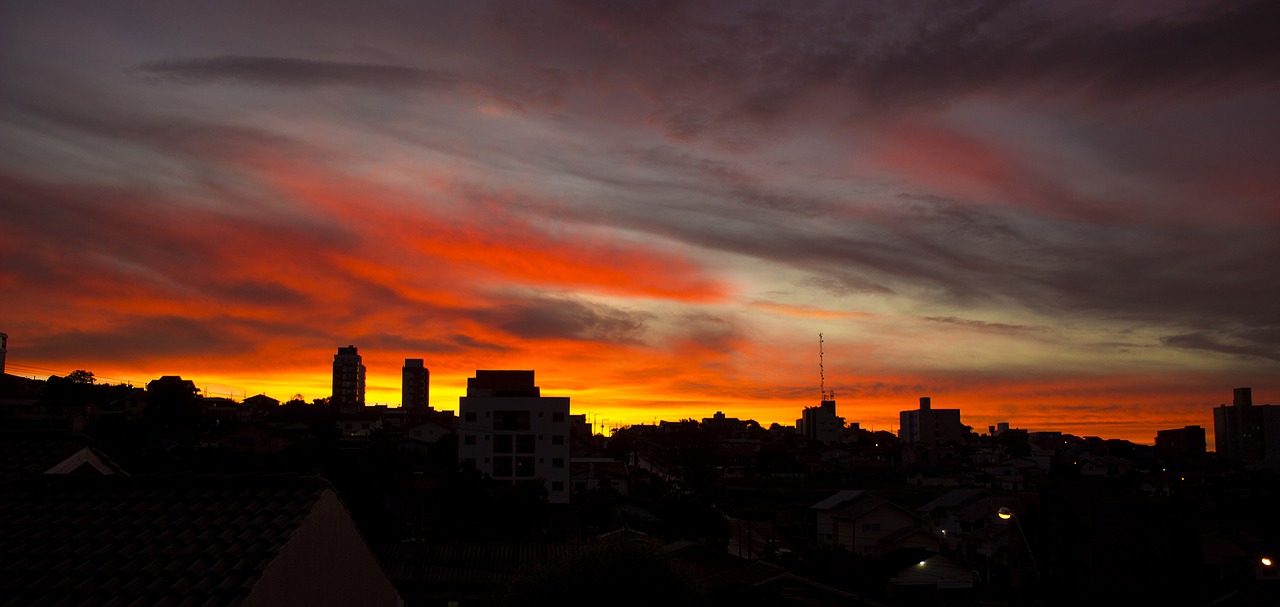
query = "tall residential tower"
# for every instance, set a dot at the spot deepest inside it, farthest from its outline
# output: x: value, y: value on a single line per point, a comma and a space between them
x: 348, y: 379
x: 415, y: 386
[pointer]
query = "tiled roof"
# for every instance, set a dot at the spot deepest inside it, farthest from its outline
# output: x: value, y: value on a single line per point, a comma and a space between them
x: 160, y: 540
x: 837, y: 499
x: 954, y: 498
x: 863, y: 504
x: 467, y: 562
x: 26, y: 455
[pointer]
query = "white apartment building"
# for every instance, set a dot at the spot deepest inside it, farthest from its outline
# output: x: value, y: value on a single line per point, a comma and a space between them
x: 509, y: 431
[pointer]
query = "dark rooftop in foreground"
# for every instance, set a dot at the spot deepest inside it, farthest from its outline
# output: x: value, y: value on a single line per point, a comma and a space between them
x: 160, y: 540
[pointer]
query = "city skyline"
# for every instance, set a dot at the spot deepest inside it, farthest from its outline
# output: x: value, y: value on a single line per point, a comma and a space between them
x: 809, y: 424
x: 1062, y: 217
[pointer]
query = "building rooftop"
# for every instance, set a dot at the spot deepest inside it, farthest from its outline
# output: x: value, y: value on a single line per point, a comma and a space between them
x: 158, y: 540
x: 502, y: 383
x: 28, y: 455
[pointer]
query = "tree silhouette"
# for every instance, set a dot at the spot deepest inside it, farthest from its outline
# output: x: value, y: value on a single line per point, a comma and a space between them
x: 80, y: 376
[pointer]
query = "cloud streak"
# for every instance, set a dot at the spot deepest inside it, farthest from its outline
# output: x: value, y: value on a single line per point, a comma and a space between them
x: 294, y: 72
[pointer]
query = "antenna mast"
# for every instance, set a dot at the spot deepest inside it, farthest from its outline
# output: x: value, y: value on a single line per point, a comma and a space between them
x: 822, y: 372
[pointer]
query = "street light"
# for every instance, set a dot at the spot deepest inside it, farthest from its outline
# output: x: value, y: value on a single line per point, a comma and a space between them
x: 1006, y: 514
x: 1266, y: 561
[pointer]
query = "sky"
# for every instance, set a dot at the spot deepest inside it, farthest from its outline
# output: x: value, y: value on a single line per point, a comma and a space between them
x: 1060, y: 215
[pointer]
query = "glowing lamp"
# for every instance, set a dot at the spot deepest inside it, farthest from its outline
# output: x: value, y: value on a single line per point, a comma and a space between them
x: 1004, y: 513
x: 1266, y: 562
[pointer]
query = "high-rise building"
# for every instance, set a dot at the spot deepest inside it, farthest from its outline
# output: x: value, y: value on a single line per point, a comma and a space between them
x: 509, y: 431
x: 821, y: 423
x: 932, y: 427
x: 1246, y: 432
x: 348, y: 379
x: 4, y: 350
x: 415, y: 386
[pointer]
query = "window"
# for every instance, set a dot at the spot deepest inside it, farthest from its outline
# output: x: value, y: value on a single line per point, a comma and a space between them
x: 557, y: 462
x: 524, y: 467
x: 557, y: 440
x: 557, y: 485
x: 511, y: 420
x: 557, y: 417
x: 524, y: 443
x: 501, y: 467
x: 469, y: 462
x: 502, y: 443
x: 470, y: 416
x: 469, y: 439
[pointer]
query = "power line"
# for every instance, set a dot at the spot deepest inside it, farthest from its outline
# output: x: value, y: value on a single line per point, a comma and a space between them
x: 47, y: 372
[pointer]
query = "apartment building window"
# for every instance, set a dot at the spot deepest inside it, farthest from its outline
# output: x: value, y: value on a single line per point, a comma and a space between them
x: 513, y: 421
x: 524, y: 467
x: 468, y: 439
x: 557, y: 462
x: 502, y: 443
x: 524, y: 443
x: 557, y: 440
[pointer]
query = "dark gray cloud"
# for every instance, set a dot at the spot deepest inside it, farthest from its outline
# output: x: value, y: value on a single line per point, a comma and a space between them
x: 745, y: 72
x: 294, y: 72
x: 718, y: 177
x: 843, y: 284
x: 261, y: 292
x: 982, y: 325
x: 1251, y: 344
x: 143, y: 339
x: 540, y: 317
x: 430, y: 344
x: 963, y: 255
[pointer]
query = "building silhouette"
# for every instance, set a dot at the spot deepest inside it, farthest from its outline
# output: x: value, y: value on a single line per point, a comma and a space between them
x: 415, y: 386
x: 1246, y: 432
x: 510, y: 432
x: 1177, y: 443
x: 348, y: 379
x: 821, y: 423
x: 932, y: 427
x: 4, y: 350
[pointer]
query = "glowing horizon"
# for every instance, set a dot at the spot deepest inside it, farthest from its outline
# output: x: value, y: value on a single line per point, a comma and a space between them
x: 608, y: 407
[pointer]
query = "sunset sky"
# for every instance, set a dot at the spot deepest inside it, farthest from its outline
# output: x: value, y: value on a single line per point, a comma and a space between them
x: 1065, y: 215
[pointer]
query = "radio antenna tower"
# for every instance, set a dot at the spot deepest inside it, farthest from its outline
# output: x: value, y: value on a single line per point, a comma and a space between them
x: 822, y: 372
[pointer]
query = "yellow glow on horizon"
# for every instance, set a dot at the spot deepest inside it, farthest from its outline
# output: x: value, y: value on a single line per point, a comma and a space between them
x: 611, y: 396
